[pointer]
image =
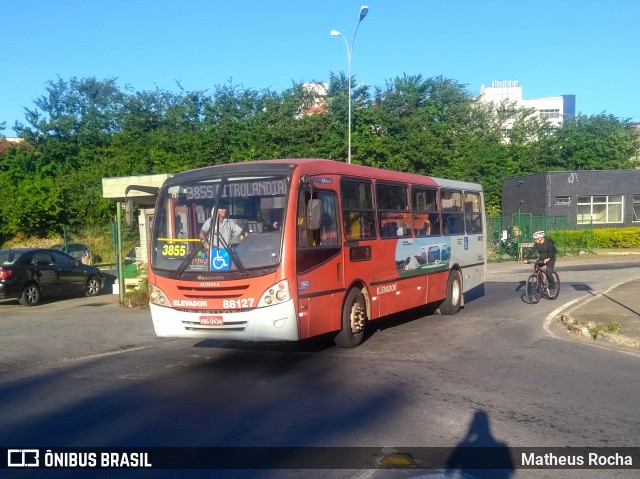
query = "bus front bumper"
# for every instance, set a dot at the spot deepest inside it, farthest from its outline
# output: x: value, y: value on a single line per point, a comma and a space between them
x: 273, y: 323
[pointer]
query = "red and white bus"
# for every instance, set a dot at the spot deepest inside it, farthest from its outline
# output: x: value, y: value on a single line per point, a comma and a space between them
x: 326, y: 247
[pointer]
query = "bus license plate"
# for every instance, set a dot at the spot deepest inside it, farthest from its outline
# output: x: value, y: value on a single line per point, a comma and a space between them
x: 211, y: 321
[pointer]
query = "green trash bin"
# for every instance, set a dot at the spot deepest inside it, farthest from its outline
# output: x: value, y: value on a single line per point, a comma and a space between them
x: 130, y: 271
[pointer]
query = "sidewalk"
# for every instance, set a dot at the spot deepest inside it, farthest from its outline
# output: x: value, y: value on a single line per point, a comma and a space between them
x: 612, y: 316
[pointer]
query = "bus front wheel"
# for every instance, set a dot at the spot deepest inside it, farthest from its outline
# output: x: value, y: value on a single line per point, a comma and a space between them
x: 453, y: 301
x: 354, y: 316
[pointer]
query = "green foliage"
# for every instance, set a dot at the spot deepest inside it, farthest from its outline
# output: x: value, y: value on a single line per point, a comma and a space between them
x: 574, y: 241
x: 82, y: 130
x: 139, y: 297
x: 617, y: 237
x: 599, y: 142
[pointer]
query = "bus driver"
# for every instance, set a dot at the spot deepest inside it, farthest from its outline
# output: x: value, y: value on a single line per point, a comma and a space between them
x: 227, y: 227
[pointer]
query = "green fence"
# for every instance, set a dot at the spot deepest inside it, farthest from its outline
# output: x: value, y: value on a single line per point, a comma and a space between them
x: 511, y: 237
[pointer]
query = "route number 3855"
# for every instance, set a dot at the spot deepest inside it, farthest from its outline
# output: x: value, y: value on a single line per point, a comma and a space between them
x: 174, y: 250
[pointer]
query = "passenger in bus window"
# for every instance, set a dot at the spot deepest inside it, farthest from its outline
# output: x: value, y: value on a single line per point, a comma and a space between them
x: 276, y: 220
x: 425, y: 230
x: 453, y: 224
x: 404, y: 225
x: 352, y: 225
x: 434, y: 222
x: 388, y: 228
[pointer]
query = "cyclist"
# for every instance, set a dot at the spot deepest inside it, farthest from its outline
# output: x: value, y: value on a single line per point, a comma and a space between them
x: 547, y: 254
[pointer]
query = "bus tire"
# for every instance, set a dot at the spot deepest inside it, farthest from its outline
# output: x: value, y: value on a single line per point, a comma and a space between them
x: 453, y: 301
x: 354, y: 317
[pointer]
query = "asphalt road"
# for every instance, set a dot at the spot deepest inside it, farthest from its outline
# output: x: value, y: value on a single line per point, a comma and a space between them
x: 84, y: 372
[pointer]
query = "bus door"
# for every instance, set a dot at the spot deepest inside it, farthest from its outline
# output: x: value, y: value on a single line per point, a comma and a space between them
x: 319, y: 265
x: 475, y: 246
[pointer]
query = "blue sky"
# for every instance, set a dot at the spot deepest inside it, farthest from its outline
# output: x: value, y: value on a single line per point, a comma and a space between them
x: 553, y: 47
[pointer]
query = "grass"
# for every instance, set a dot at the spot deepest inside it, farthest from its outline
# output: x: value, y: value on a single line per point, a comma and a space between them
x: 612, y: 327
x: 138, y: 298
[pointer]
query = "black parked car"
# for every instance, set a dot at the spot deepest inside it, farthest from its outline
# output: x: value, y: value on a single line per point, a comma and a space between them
x: 29, y: 274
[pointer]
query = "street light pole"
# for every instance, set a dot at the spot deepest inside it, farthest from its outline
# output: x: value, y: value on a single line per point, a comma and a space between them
x: 335, y: 33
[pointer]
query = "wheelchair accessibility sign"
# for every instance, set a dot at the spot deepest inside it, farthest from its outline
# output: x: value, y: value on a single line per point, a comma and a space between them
x: 220, y: 260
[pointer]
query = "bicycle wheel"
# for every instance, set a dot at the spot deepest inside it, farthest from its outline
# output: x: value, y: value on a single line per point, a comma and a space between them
x: 553, y: 293
x: 533, y: 288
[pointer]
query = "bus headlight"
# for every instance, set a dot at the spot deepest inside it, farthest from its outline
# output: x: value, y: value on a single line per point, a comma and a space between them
x: 156, y: 296
x: 278, y: 293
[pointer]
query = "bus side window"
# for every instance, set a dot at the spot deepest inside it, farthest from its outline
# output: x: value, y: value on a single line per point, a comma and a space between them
x: 424, y: 204
x: 329, y: 220
x: 452, y: 208
x: 473, y: 213
x: 358, y: 213
x: 303, y: 237
x: 327, y: 232
x: 316, y: 246
x: 393, y: 209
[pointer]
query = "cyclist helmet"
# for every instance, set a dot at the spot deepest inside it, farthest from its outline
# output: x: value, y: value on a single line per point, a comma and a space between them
x: 538, y: 235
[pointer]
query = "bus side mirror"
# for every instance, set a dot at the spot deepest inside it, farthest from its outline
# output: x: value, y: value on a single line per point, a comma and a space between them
x: 314, y: 213
x: 128, y: 211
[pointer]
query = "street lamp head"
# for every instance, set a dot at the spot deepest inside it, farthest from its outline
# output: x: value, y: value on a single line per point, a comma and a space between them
x: 363, y: 12
x: 335, y: 33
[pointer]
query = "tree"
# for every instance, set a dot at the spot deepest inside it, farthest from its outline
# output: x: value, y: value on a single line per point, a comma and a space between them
x: 599, y: 142
x: 84, y: 129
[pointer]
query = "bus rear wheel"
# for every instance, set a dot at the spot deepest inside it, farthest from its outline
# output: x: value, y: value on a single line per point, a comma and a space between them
x: 354, y: 317
x: 453, y: 301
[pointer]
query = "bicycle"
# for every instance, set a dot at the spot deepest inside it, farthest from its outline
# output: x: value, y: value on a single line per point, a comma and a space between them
x: 538, y: 285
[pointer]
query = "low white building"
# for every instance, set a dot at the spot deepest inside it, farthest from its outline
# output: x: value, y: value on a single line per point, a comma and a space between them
x: 554, y: 108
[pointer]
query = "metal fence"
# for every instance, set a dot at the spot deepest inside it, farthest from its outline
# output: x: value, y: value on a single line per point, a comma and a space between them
x: 511, y: 237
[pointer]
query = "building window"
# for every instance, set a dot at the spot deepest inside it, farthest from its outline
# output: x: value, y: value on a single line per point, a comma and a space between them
x: 550, y: 113
x: 636, y: 208
x: 600, y: 209
x: 563, y: 200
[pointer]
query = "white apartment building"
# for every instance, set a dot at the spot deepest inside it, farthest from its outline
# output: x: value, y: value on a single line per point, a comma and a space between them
x: 553, y: 108
x: 319, y: 91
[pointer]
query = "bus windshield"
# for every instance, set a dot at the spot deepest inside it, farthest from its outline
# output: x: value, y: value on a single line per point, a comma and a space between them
x: 219, y: 224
